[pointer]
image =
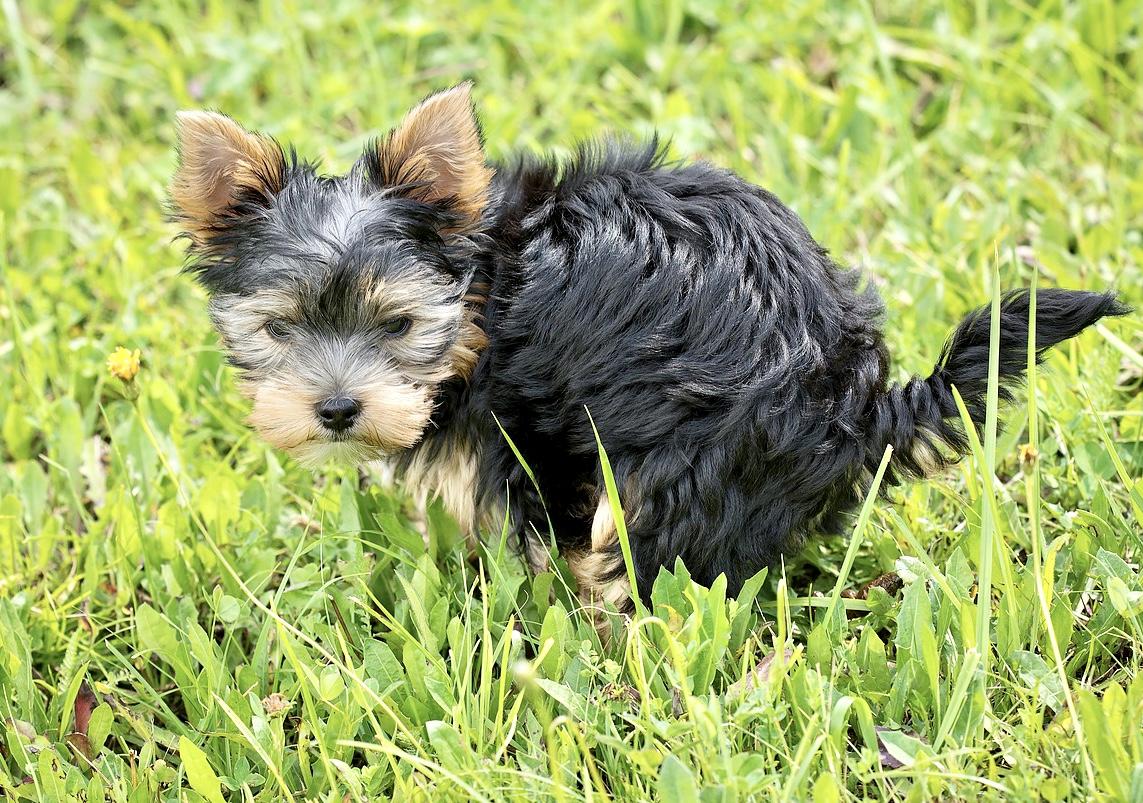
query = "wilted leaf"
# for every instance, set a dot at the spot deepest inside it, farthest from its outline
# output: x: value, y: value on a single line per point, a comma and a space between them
x: 758, y: 676
x: 890, y: 583
x: 85, y: 703
x: 898, y: 749
x: 80, y: 744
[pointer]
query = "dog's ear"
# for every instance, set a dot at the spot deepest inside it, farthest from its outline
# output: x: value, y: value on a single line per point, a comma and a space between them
x: 436, y: 155
x: 221, y: 164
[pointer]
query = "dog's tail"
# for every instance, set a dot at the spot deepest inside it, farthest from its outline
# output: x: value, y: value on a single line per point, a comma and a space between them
x: 921, y: 419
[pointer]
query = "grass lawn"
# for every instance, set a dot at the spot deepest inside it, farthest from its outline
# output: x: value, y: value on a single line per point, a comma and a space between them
x: 186, y: 615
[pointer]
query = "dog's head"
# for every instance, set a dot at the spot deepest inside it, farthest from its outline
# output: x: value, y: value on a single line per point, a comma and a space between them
x: 344, y: 301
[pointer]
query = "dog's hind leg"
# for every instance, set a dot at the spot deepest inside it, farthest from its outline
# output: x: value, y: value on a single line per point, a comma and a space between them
x: 599, y: 571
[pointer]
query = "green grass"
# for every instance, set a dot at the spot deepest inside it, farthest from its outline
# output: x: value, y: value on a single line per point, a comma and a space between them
x: 248, y: 631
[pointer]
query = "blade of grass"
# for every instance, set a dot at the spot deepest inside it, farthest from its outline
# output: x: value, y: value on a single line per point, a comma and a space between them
x: 620, y: 522
x: 855, y: 537
x: 1032, y: 486
x: 1133, y: 494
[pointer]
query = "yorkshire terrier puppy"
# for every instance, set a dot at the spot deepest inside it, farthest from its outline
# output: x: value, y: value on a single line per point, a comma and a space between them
x: 409, y: 309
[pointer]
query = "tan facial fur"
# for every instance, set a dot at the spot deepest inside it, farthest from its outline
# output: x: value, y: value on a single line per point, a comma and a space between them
x: 466, y: 349
x: 432, y: 323
x: 394, y: 380
x: 394, y: 415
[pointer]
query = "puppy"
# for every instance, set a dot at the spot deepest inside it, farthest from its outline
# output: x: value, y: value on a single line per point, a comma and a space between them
x: 410, y: 309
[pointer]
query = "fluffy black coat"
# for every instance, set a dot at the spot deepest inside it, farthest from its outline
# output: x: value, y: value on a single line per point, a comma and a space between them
x: 736, y: 374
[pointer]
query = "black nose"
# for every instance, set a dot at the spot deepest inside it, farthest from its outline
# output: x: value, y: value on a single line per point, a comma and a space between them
x: 338, y: 413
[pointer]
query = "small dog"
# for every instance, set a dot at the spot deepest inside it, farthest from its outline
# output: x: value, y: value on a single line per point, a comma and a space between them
x: 411, y: 308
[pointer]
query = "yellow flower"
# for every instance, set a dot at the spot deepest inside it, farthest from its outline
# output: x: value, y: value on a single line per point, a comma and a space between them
x: 124, y: 363
x: 1028, y: 455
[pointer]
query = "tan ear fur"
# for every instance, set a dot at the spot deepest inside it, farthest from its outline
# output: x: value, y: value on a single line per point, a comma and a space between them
x: 437, y: 152
x: 217, y: 159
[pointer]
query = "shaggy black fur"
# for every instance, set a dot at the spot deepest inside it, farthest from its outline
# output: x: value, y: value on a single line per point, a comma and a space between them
x: 736, y: 374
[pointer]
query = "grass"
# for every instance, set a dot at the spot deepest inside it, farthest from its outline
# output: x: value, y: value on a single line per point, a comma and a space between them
x: 186, y: 615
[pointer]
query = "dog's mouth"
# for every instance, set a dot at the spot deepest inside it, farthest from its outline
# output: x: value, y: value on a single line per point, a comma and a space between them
x: 339, y: 448
x: 353, y: 436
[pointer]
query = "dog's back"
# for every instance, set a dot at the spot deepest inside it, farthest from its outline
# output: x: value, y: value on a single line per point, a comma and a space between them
x: 736, y: 374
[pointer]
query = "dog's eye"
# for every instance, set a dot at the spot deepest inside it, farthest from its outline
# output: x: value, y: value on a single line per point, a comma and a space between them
x: 396, y: 326
x: 277, y: 329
